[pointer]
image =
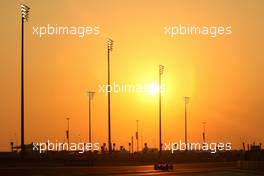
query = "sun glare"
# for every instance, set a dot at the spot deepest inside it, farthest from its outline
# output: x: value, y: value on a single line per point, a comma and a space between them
x: 153, y: 89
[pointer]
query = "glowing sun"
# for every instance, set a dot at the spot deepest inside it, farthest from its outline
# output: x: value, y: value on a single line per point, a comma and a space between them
x: 153, y: 89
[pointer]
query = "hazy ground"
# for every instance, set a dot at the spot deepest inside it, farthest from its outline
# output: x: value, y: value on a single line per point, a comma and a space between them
x: 205, y: 169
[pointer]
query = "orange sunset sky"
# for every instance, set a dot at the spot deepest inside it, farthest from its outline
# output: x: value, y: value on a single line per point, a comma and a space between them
x: 222, y: 75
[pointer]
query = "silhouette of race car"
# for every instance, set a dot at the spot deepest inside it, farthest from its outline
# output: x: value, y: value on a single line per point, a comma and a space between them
x: 163, y: 166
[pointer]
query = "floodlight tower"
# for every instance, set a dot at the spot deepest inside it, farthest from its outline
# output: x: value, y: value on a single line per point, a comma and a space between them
x: 161, y: 69
x: 109, y: 49
x: 24, y: 15
x: 90, y: 95
x: 137, y: 135
x: 68, y: 130
x: 186, y: 101
x: 203, y: 131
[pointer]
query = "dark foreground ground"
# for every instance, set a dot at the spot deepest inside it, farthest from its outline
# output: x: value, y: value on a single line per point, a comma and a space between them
x: 197, y: 169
